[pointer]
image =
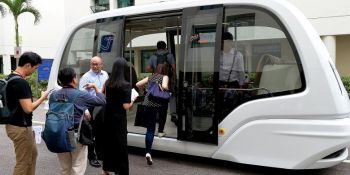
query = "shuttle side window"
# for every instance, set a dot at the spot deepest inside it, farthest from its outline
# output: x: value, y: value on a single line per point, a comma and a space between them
x: 102, y: 38
x: 271, y: 63
x: 79, y: 49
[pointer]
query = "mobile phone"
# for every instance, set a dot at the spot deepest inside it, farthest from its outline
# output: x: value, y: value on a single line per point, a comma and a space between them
x: 50, y: 91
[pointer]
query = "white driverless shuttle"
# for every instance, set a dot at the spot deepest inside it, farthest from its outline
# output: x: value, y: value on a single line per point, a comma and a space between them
x: 291, y: 112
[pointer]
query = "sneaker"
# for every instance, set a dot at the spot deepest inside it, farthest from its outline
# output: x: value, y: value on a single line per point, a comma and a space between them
x: 149, y: 159
x: 161, y: 134
x: 95, y: 163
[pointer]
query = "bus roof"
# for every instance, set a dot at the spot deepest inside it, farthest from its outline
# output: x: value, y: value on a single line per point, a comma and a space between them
x: 272, y: 5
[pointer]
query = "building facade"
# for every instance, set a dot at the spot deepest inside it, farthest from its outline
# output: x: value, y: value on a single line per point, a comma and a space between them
x: 331, y: 21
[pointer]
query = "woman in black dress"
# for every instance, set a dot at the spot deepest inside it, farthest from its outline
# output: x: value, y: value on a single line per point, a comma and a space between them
x: 118, y: 97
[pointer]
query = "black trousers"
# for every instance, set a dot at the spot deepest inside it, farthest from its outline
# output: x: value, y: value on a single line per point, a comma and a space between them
x: 96, y: 121
x: 162, y: 115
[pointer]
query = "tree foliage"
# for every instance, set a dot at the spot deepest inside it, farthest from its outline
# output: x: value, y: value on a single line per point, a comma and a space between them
x: 16, y: 8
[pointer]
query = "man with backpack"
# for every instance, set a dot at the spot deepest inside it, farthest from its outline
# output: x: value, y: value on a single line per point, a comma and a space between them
x: 163, y: 56
x: 72, y: 161
x: 19, y: 126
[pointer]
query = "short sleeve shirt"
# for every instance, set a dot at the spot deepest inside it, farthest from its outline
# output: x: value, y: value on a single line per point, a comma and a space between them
x: 91, y: 77
x: 153, y: 59
x: 19, y: 89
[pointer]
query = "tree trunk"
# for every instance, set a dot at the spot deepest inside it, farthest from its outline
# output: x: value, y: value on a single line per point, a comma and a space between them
x: 16, y: 30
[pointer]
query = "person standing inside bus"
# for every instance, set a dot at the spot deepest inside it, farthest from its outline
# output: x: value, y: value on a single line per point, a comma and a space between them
x: 231, y: 72
x: 94, y: 76
x: 118, y: 95
x: 19, y: 128
x: 162, y: 56
x: 152, y: 108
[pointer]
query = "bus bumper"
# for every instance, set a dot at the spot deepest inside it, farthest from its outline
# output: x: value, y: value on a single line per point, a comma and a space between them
x: 288, y: 143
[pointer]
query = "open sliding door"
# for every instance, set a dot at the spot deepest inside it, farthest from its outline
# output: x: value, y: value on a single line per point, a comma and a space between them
x: 198, y: 73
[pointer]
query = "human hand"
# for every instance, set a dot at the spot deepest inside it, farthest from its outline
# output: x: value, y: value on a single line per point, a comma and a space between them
x: 45, y: 94
x: 89, y: 85
x: 87, y: 115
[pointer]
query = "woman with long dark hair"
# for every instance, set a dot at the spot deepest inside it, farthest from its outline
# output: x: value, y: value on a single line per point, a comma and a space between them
x: 118, y: 97
x: 152, y: 108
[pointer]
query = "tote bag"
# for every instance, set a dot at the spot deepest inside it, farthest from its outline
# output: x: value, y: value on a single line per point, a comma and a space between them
x: 141, y: 118
x: 156, y: 94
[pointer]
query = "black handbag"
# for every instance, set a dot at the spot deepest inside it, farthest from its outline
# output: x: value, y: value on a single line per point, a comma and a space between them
x: 85, y: 136
x: 140, y: 118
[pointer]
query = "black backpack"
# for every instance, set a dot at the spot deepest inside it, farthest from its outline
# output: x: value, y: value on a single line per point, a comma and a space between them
x: 163, y: 59
x: 5, y: 112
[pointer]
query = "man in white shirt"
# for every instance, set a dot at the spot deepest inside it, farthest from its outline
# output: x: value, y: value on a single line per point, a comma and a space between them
x: 231, y: 64
x: 94, y: 76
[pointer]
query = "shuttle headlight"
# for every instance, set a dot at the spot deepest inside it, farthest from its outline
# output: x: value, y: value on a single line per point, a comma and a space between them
x: 221, y: 131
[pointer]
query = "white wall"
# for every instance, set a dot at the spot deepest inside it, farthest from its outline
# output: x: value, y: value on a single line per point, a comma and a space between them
x: 74, y: 10
x: 43, y: 38
x: 40, y: 38
x: 328, y: 17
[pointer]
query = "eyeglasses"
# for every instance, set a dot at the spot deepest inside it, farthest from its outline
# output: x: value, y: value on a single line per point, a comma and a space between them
x: 95, y: 64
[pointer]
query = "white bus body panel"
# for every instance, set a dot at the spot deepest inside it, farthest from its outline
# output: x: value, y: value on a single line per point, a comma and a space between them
x: 293, y: 131
x: 287, y: 143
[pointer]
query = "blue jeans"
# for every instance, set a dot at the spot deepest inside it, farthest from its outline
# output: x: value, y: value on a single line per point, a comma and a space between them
x: 151, y: 114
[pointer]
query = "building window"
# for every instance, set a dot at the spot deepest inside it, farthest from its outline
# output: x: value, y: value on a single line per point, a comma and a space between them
x: 100, y: 5
x: 145, y: 55
x: 125, y: 3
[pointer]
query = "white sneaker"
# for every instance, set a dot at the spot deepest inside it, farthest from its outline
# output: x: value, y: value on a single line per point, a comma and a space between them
x: 161, y: 134
x: 149, y: 159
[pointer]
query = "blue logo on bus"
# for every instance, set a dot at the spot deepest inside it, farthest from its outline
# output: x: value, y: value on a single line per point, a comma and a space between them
x: 106, y: 43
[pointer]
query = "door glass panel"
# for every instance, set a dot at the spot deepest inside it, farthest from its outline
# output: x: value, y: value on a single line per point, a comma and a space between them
x: 199, y: 64
x: 109, y: 37
x: 100, y: 38
x: 79, y: 49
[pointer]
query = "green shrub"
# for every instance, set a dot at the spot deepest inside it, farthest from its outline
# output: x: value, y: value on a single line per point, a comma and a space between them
x: 346, y: 82
x: 36, y: 87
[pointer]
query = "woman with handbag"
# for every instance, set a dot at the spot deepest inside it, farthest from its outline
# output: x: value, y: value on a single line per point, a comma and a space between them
x: 118, y: 97
x: 157, y: 96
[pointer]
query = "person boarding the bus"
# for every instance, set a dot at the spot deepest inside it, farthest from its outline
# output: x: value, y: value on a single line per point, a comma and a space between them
x: 19, y: 128
x: 152, y: 107
x: 162, y: 56
x: 94, y: 76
